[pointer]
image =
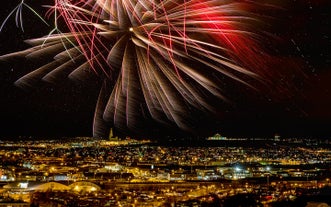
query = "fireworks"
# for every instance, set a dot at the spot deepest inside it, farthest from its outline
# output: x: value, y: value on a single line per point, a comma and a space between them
x: 159, y: 60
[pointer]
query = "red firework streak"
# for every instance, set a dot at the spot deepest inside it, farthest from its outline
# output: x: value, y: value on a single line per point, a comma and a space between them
x: 242, y: 49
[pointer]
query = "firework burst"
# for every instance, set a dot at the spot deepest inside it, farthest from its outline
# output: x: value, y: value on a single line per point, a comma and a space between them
x: 159, y: 60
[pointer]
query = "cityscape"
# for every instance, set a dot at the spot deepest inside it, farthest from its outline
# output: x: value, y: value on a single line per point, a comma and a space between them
x: 219, y: 171
x: 268, y: 72
x: 158, y: 103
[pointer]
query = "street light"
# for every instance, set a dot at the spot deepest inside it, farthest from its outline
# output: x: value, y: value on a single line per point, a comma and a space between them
x: 268, y: 180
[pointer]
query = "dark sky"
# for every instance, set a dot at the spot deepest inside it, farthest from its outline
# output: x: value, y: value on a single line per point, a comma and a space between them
x: 302, y: 30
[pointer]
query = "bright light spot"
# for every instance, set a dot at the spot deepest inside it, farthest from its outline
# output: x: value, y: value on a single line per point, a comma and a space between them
x: 23, y: 185
x: 131, y: 29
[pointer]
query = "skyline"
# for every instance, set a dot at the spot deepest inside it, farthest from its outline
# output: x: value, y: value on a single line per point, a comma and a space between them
x: 67, y: 109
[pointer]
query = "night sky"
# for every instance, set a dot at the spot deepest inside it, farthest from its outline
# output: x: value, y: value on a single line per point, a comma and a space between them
x: 301, y: 30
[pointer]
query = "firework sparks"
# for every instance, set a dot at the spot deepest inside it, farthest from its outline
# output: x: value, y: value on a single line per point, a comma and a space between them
x: 159, y: 59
